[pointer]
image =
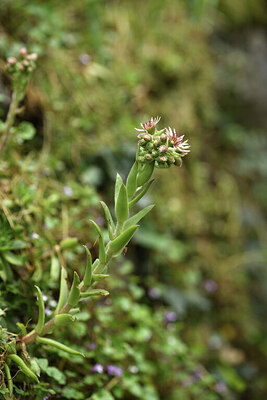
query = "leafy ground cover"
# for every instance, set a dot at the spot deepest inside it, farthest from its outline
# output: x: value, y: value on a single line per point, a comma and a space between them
x: 185, y: 314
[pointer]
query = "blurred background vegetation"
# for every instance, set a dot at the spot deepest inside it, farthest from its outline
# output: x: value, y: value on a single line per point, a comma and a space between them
x: 186, y: 318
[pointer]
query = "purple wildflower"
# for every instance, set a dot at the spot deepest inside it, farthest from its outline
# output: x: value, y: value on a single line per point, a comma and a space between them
x: 91, y: 346
x: 170, y: 316
x: 154, y: 293
x: 220, y: 387
x: 84, y: 59
x: 67, y: 190
x: 210, y: 285
x: 98, y: 368
x: 114, y: 371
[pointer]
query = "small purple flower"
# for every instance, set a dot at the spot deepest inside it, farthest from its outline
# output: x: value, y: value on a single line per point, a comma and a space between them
x: 210, y: 285
x: 170, y: 316
x: 84, y: 59
x: 154, y: 293
x: 220, y: 387
x: 114, y: 371
x: 91, y: 346
x: 67, y: 190
x: 98, y: 368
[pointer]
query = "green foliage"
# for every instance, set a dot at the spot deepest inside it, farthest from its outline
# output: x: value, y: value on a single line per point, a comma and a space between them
x: 201, y: 252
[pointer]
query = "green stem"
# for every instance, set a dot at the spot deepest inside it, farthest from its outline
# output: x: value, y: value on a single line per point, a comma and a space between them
x: 9, y: 121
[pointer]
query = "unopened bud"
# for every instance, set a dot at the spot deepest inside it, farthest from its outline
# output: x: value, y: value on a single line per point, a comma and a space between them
x: 154, y: 154
x: 172, y: 159
x: 23, y: 51
x: 149, y: 146
x: 141, y: 142
x: 25, y: 63
x: 163, y: 137
x: 163, y: 159
x: 147, y: 138
x: 163, y: 149
x: 148, y: 157
x: 156, y: 142
x: 21, y: 68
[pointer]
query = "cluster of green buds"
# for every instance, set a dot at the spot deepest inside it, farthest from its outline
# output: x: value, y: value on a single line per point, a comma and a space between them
x: 20, y: 68
x: 162, y: 147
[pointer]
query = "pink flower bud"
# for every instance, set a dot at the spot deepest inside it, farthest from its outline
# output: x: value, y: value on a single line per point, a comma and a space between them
x: 163, y: 159
x: 147, y: 138
x: 23, y: 51
x: 163, y: 149
x: 21, y: 68
x: 25, y: 63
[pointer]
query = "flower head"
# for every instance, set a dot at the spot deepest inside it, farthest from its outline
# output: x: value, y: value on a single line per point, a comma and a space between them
x: 150, y: 125
x: 114, y: 371
x: 177, y: 141
x: 98, y: 368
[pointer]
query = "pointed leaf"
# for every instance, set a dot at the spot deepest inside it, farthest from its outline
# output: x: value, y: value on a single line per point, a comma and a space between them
x: 118, y: 184
x: 54, y: 269
x: 63, y: 291
x: 137, y: 217
x: 87, y: 279
x: 94, y: 292
x: 141, y: 194
x: 23, y: 367
x: 58, y: 345
x: 63, y: 319
x: 111, y: 226
x: 68, y: 243
x: 121, y: 206
x: 144, y: 173
x: 41, y: 315
x: 131, y: 183
x: 99, y: 277
x: 117, y: 245
x: 75, y: 291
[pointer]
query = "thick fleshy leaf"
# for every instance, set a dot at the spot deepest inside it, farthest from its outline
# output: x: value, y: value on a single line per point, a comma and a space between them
x: 58, y: 345
x: 121, y: 206
x: 137, y: 217
x: 54, y: 269
x: 117, y: 245
x: 118, y: 184
x: 87, y: 279
x: 131, y: 183
x: 63, y: 291
x: 111, y: 226
x: 64, y: 319
x: 23, y: 367
x: 145, y: 172
x: 94, y: 292
x: 41, y: 314
x: 141, y: 194
x: 68, y: 243
x: 75, y: 291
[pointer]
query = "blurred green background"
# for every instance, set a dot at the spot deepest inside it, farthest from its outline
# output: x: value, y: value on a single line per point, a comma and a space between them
x: 105, y: 66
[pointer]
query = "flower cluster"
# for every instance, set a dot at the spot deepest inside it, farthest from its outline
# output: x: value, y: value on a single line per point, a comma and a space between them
x: 163, y: 147
x: 20, y: 69
x: 25, y: 62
